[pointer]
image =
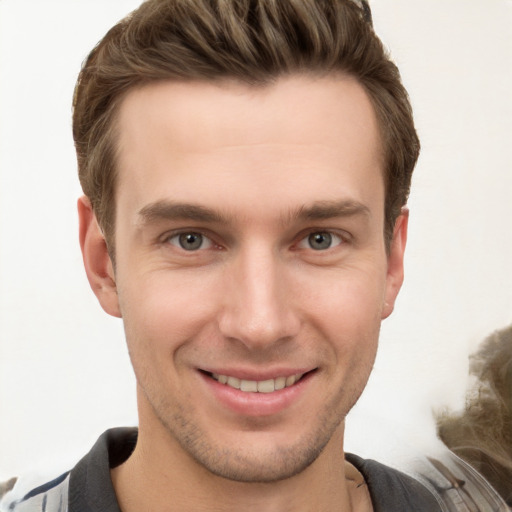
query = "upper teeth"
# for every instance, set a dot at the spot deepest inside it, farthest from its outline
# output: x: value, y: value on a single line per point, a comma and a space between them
x: 258, y: 386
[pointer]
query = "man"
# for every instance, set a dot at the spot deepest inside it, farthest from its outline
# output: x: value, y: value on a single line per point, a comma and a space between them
x: 245, y: 166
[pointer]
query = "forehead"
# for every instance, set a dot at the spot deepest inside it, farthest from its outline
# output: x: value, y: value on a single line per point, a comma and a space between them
x: 302, y: 131
x: 195, y: 113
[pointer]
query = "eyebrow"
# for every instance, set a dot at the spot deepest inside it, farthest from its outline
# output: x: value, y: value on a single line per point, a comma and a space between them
x: 319, y: 210
x: 322, y: 210
x: 169, y: 210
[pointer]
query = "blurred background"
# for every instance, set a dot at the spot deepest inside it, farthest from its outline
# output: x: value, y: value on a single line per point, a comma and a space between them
x: 64, y: 371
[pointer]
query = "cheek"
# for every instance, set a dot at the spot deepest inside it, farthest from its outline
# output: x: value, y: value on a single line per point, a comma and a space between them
x: 350, y: 299
x: 347, y: 313
x: 165, y: 310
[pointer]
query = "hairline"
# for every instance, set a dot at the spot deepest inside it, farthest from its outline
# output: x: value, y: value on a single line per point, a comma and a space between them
x: 113, y: 137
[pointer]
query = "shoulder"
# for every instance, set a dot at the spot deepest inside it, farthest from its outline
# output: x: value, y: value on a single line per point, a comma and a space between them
x: 49, y: 497
x: 458, y: 484
x: 391, y: 489
x: 87, y: 487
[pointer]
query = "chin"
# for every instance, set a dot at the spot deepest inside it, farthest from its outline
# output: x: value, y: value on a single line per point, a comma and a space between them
x: 265, y: 466
x: 255, y: 457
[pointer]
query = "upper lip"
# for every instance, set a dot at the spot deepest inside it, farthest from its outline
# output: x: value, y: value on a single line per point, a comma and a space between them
x: 258, y: 375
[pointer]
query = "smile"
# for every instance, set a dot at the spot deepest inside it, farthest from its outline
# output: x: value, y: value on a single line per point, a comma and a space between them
x: 258, y: 386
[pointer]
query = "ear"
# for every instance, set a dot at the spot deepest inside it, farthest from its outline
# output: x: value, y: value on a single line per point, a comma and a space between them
x: 395, y: 273
x: 97, y: 262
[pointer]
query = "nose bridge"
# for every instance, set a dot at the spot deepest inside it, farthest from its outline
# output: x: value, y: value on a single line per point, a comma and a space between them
x: 258, y: 309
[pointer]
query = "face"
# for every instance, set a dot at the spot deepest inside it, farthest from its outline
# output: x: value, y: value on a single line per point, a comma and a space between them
x: 251, y: 270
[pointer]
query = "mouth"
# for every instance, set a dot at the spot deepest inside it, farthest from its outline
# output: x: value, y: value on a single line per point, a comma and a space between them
x: 258, y: 386
x: 259, y: 394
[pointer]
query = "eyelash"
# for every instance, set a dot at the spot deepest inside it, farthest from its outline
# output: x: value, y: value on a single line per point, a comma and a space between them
x: 304, y: 240
x: 331, y: 237
x: 176, y: 236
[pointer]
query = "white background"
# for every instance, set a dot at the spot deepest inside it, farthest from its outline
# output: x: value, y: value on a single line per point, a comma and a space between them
x: 64, y: 371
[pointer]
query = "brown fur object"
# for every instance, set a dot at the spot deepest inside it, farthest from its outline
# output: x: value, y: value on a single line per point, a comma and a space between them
x: 482, y: 433
x: 5, y: 487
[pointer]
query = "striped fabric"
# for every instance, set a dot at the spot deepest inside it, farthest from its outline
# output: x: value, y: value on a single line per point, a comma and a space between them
x: 458, y: 487
x: 50, y: 497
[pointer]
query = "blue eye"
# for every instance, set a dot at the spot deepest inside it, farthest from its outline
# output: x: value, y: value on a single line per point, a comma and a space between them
x: 320, y: 241
x: 190, y: 241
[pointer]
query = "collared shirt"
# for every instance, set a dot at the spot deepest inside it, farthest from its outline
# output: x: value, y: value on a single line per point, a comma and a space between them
x: 88, y: 486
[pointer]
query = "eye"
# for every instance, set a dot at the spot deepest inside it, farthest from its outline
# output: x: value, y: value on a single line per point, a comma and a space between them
x: 190, y: 241
x: 320, y: 241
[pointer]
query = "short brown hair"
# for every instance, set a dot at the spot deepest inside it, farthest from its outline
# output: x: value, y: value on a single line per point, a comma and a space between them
x: 253, y: 41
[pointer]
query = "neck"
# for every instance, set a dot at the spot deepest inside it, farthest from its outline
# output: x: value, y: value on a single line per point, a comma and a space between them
x: 160, y: 473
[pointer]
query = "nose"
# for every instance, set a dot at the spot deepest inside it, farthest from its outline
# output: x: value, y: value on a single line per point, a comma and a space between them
x: 259, y: 308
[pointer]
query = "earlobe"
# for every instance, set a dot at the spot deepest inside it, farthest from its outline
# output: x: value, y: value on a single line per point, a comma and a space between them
x: 395, y: 272
x: 97, y: 262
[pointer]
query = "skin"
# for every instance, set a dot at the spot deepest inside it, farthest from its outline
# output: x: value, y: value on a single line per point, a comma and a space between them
x: 255, y: 172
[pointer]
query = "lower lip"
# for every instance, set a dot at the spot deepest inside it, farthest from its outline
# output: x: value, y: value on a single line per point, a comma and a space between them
x: 257, y: 404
